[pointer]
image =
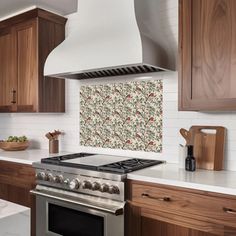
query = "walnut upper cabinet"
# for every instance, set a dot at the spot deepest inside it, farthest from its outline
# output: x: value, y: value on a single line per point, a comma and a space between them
x: 7, y: 65
x: 207, y: 55
x: 25, y: 42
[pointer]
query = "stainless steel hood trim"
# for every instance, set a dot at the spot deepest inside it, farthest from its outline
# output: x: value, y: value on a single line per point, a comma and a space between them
x: 111, y: 71
x: 109, y: 206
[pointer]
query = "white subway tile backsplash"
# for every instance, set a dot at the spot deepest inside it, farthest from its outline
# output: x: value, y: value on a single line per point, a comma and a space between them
x: 170, y: 96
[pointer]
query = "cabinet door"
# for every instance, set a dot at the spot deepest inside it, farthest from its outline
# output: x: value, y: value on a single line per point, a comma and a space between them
x: 145, y: 222
x: 151, y: 227
x: 51, y: 90
x: 207, y: 50
x: 8, y: 80
x: 27, y: 66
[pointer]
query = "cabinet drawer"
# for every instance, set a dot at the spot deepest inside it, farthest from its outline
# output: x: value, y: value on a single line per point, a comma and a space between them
x: 185, y: 203
x: 20, y: 175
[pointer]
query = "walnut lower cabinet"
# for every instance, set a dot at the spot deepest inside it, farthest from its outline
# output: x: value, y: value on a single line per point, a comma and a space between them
x: 25, y: 42
x: 16, y: 180
x: 159, y: 210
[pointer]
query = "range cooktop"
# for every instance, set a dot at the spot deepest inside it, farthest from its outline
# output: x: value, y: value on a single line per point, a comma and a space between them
x: 105, y: 163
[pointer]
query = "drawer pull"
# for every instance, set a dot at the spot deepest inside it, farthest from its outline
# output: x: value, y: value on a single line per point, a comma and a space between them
x: 13, y: 91
x: 230, y: 211
x: 165, y: 199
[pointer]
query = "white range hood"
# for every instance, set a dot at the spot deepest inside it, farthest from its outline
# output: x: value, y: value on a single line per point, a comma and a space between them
x: 113, y: 37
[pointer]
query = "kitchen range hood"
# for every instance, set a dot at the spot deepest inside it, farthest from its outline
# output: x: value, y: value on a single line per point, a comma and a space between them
x: 113, y: 37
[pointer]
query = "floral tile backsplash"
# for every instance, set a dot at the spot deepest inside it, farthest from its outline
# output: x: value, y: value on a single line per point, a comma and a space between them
x: 122, y: 116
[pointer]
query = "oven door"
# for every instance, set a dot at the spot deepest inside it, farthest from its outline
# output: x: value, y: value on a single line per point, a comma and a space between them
x: 62, y: 213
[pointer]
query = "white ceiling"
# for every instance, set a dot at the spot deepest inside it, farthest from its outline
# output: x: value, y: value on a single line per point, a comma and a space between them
x: 63, y: 7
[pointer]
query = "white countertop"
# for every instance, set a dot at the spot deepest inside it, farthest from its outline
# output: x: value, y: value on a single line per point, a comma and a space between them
x: 14, y: 219
x: 26, y: 157
x: 169, y: 174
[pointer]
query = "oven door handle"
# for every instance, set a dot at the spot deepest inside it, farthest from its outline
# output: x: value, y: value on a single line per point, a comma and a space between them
x: 116, y: 210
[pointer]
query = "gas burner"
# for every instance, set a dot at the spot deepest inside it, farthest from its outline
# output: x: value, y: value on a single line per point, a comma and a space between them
x: 129, y: 165
x: 57, y: 160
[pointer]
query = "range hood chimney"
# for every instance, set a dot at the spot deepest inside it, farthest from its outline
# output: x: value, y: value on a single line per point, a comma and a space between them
x: 113, y: 37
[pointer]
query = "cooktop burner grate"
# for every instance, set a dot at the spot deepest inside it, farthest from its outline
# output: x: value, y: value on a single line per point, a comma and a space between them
x: 129, y: 165
x: 119, y: 167
x: 57, y: 160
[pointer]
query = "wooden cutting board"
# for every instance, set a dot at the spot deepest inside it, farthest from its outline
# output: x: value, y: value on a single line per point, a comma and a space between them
x: 209, y: 146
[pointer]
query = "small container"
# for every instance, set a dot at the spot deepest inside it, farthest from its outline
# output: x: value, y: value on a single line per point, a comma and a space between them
x: 53, y: 146
x: 190, y: 161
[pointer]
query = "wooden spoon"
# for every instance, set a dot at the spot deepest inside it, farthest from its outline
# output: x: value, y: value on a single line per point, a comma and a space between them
x: 186, y: 135
x: 49, y: 136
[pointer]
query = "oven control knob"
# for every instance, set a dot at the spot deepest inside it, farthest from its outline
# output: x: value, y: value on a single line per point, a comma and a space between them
x: 95, y: 186
x: 50, y: 177
x: 74, y: 184
x: 87, y: 184
x: 104, y: 188
x: 113, y: 189
x: 58, y: 179
x: 42, y: 176
x: 66, y: 182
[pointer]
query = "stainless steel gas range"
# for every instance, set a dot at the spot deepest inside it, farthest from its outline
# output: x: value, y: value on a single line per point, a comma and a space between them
x: 83, y: 194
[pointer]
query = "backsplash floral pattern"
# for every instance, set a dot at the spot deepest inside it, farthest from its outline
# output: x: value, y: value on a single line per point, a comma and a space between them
x: 122, y: 116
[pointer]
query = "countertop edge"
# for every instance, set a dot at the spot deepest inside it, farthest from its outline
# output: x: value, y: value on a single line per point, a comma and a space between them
x: 29, y: 156
x: 16, y: 160
x: 181, y: 184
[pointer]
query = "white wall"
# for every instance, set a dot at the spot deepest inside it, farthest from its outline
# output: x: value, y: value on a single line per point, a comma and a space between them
x: 36, y: 125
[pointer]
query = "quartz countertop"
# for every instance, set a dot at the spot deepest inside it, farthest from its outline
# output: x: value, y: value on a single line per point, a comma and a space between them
x: 28, y: 156
x: 170, y: 174
x: 14, y: 219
